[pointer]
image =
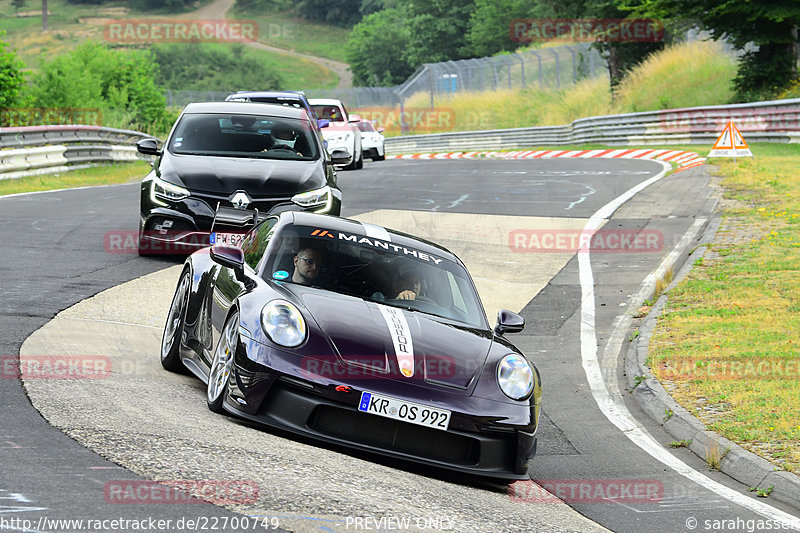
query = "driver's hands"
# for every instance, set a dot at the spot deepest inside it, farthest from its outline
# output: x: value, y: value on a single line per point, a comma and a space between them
x: 407, y: 295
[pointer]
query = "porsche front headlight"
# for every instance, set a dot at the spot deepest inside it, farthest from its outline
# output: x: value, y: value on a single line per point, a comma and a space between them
x: 515, y: 377
x: 283, y: 323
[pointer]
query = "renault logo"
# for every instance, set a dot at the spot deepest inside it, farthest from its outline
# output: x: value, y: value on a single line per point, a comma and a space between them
x: 240, y: 200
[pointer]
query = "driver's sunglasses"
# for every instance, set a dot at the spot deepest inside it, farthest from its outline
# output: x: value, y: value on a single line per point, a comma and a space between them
x: 310, y: 262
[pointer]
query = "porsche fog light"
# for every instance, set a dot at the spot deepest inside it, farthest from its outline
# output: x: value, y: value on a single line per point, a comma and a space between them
x: 515, y: 377
x: 283, y: 323
x: 321, y: 198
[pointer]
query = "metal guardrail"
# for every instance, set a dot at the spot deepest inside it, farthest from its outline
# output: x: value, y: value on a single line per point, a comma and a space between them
x: 32, y: 150
x: 774, y: 121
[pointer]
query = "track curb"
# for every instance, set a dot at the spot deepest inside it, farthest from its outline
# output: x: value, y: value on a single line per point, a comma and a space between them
x: 738, y: 463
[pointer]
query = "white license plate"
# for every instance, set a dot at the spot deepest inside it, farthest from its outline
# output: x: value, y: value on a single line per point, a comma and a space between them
x: 414, y: 413
x: 228, y: 239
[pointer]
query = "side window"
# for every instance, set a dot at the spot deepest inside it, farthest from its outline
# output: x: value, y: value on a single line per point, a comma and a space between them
x: 256, y: 242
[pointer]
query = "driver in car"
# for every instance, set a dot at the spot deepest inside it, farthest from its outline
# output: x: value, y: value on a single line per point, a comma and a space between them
x: 307, y: 265
x: 408, y: 284
x: 283, y: 135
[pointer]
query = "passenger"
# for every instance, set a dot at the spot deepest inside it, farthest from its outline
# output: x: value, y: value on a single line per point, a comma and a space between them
x: 307, y: 265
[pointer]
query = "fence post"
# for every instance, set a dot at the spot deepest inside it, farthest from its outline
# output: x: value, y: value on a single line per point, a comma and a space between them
x: 539, y: 59
x: 558, y: 69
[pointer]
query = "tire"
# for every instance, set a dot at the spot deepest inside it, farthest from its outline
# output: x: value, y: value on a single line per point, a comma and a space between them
x: 379, y: 158
x: 221, y: 364
x: 173, y: 329
x: 360, y: 162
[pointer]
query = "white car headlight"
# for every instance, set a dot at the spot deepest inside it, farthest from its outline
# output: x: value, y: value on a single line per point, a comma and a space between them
x: 283, y: 323
x: 515, y: 377
x: 161, y: 190
x: 322, y: 198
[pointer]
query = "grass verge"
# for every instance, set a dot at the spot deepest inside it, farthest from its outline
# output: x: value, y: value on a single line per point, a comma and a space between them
x: 726, y: 346
x: 686, y: 75
x: 85, y: 177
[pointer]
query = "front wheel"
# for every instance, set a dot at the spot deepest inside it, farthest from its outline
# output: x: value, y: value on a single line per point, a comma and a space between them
x: 222, y: 363
x: 173, y: 329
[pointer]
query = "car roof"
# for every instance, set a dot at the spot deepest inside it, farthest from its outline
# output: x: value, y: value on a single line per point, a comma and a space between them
x: 324, y: 101
x: 371, y: 231
x: 269, y: 94
x: 246, y: 108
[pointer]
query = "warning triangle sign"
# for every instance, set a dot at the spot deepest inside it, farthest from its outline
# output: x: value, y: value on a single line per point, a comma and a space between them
x: 730, y: 143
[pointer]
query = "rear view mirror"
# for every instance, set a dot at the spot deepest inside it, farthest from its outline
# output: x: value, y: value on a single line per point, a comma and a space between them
x: 508, y: 322
x: 341, y: 157
x: 228, y: 256
x: 148, y: 147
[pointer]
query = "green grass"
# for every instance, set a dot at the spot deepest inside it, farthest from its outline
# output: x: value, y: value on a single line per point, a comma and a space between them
x: 728, y: 337
x: 284, y: 30
x: 99, y: 175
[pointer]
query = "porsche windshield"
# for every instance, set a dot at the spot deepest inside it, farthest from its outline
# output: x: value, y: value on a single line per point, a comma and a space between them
x: 253, y: 136
x: 376, y: 270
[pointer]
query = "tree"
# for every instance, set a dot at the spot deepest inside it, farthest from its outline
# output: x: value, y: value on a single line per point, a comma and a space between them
x: 11, y: 76
x: 770, y: 26
x: 374, y: 49
x: 489, y: 25
x: 437, y: 30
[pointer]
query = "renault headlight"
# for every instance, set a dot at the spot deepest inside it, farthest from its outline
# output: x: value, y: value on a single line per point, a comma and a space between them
x: 515, y: 377
x: 283, y: 323
x: 321, y: 198
x: 161, y: 190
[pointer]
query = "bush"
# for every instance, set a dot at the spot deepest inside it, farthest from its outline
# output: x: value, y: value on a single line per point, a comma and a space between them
x: 11, y: 76
x: 121, y: 84
x: 208, y: 67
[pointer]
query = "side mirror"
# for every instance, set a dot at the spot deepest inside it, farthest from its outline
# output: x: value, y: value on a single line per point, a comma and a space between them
x: 323, y: 123
x: 381, y: 129
x: 355, y: 118
x: 148, y: 147
x: 341, y: 157
x: 228, y: 256
x: 508, y: 322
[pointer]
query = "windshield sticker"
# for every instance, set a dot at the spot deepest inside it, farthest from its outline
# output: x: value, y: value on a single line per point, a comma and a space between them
x: 376, y: 243
x: 280, y: 275
x: 401, y: 338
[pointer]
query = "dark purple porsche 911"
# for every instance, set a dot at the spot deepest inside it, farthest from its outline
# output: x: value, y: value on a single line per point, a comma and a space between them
x: 360, y: 336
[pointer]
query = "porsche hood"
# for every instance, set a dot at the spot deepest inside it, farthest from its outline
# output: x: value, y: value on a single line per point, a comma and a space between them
x: 379, y: 340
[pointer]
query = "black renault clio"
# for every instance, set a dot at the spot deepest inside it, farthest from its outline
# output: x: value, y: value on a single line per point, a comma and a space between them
x: 227, y: 162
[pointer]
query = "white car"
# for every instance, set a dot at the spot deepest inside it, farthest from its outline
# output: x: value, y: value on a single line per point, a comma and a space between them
x: 372, y: 141
x: 342, y: 131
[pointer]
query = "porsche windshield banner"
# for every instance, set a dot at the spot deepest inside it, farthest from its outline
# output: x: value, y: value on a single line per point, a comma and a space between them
x: 375, y: 243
